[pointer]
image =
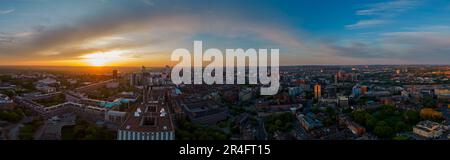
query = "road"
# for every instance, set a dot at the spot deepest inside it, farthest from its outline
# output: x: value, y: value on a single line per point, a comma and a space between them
x: 40, y: 131
x: 52, y: 129
x: 14, y: 129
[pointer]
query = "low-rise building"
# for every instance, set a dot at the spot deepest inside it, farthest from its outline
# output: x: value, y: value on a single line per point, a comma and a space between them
x: 45, y: 88
x: 353, y: 126
x: 6, y: 103
x: 115, y: 116
x: 328, y: 101
x: 444, y: 97
x: 48, y: 81
x: 343, y: 101
x: 112, y: 85
x: 308, y: 121
x: 203, y: 111
x: 429, y: 129
x: 47, y: 85
x: 294, y: 91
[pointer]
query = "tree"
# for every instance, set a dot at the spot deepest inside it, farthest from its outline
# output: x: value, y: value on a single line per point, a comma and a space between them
x: 235, y: 130
x: 360, y: 116
x: 401, y: 126
x: 400, y: 138
x: 27, y: 131
x: 330, y: 111
x: 371, y: 122
x: 429, y: 113
x: 309, y: 95
x: 183, y: 135
x: 279, y: 122
x: 315, y: 109
x: 5, y: 78
x: 347, y: 110
x: 10, y: 116
x: 429, y: 102
x: 362, y: 101
x: 84, y: 130
x: 387, y: 109
x: 9, y: 93
x: 383, y: 130
x: 411, y: 116
x: 189, y: 131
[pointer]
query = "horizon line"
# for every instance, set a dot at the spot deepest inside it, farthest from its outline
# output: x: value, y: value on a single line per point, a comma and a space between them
x: 411, y: 64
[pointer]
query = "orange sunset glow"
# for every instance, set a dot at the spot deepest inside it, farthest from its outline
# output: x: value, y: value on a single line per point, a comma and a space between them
x: 102, y: 58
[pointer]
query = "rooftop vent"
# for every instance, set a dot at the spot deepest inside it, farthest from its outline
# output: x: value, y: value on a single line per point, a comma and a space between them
x: 162, y: 112
x: 139, y: 110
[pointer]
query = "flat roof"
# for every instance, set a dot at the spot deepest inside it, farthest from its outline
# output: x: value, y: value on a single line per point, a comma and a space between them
x: 138, y: 123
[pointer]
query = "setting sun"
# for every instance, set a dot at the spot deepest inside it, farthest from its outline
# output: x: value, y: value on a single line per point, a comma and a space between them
x: 102, y: 58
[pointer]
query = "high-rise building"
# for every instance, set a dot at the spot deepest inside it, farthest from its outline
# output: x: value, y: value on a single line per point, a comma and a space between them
x: 336, y: 79
x: 317, y: 91
x: 115, y: 74
x: 294, y: 91
x: 143, y: 72
x: 364, y: 90
x: 354, y: 77
x: 356, y: 90
x: 339, y: 74
x: 145, y: 92
x: 133, y: 79
x: 330, y: 91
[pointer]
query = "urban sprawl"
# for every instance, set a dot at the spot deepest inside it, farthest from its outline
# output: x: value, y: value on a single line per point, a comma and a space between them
x: 374, y: 102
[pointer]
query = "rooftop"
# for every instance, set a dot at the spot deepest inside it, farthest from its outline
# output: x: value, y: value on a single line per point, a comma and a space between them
x: 428, y: 125
x: 151, y: 117
x: 5, y: 99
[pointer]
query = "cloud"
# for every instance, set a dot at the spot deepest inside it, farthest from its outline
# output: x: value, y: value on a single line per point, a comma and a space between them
x: 420, y: 45
x: 391, y: 8
x: 4, y: 39
x: 366, y: 24
x: 148, y: 2
x: 8, y: 11
x: 155, y: 29
x: 354, y: 50
x: 381, y: 12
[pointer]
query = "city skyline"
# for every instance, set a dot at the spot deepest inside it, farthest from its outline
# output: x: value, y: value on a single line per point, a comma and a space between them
x: 145, y: 32
x: 389, y: 102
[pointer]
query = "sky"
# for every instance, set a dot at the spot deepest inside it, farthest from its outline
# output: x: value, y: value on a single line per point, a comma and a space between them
x: 145, y: 32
